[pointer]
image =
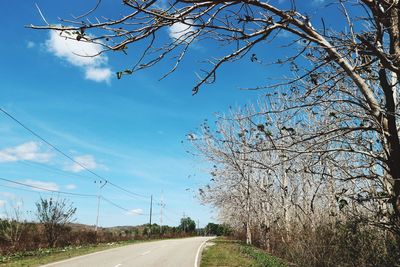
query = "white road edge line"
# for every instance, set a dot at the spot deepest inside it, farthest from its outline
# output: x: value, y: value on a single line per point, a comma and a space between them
x: 118, y: 265
x: 196, y: 261
x: 79, y: 257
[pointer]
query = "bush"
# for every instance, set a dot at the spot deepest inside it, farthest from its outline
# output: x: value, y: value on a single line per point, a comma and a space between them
x: 54, y: 215
x: 349, y: 244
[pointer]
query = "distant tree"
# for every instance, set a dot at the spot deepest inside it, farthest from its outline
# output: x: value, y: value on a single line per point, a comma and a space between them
x: 217, y: 229
x: 187, y: 225
x: 54, y: 215
x: 155, y: 229
x: 13, y: 226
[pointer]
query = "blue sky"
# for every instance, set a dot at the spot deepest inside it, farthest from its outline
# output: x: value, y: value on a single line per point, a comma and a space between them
x: 128, y: 131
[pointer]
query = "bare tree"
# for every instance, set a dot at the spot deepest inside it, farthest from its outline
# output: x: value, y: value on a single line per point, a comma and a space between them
x: 14, y: 225
x: 307, y: 174
x: 362, y: 54
x: 54, y: 214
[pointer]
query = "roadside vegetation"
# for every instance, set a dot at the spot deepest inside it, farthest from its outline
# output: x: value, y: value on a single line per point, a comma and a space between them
x: 233, y: 253
x: 309, y: 207
x: 47, y: 255
x: 53, y: 236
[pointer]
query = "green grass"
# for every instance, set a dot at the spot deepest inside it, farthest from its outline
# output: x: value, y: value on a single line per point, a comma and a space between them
x: 48, y: 255
x: 230, y: 253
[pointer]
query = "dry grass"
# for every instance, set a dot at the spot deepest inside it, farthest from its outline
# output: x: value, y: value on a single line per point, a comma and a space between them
x: 231, y: 253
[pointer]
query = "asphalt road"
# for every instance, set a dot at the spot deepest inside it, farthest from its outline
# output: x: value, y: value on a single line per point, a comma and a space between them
x: 166, y: 253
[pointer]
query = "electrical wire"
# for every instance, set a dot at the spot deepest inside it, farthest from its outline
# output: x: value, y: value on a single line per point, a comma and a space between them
x: 67, y: 156
x: 53, y: 169
x: 128, y: 191
x: 39, y: 192
x: 114, y: 204
x: 120, y: 207
x: 46, y: 189
x: 56, y: 170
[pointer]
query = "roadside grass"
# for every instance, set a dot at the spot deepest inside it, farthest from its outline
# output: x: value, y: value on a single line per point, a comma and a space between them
x: 49, y: 255
x: 233, y: 253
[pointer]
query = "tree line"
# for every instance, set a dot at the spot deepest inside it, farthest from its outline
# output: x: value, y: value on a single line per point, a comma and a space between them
x: 55, y: 227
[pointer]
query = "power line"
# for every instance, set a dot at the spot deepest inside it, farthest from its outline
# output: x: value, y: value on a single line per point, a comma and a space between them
x: 46, y: 189
x: 49, y: 144
x: 35, y: 191
x: 53, y: 169
x: 122, y: 208
x: 114, y: 204
x: 67, y: 156
x: 63, y: 192
x: 23, y: 189
x: 128, y: 191
x: 56, y: 170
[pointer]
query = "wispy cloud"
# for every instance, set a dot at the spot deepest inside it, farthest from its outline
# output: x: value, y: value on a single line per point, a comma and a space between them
x: 70, y: 186
x: 134, y: 212
x: 30, y: 44
x: 44, y: 185
x: 2, y: 203
x: 80, y: 54
x: 28, y: 151
x: 318, y: 2
x: 181, y: 32
x: 85, y: 161
x: 8, y: 195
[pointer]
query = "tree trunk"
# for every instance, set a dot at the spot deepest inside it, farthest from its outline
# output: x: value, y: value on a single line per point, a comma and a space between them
x: 248, y: 233
x: 248, y: 228
x: 392, y: 141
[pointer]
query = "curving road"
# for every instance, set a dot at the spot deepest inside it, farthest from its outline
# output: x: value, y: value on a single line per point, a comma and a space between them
x: 166, y: 253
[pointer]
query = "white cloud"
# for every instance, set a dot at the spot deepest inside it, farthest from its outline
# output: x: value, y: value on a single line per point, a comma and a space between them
x: 2, y: 203
x: 27, y: 151
x: 45, y: 185
x: 98, y: 74
x: 30, y: 44
x: 135, y: 212
x: 78, y: 53
x: 70, y: 186
x: 87, y: 161
x: 8, y: 195
x: 181, y: 31
x: 81, y: 54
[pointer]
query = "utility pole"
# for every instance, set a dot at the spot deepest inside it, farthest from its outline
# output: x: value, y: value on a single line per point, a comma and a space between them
x: 198, y: 227
x: 162, y: 205
x: 99, y: 187
x: 151, y: 211
x: 184, y: 222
